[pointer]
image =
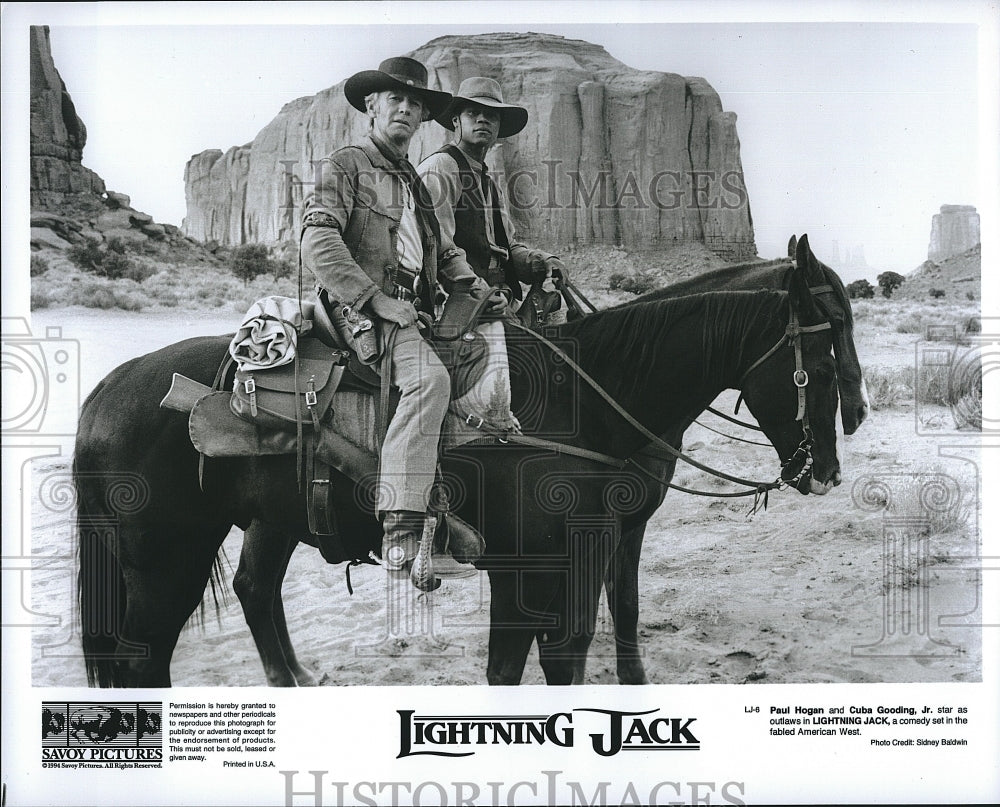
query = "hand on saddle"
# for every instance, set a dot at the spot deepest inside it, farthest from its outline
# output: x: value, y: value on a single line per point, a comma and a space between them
x: 399, y: 311
x: 498, y: 298
x: 543, y: 267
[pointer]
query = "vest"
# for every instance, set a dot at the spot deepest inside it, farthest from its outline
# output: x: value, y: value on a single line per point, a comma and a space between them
x: 470, y: 224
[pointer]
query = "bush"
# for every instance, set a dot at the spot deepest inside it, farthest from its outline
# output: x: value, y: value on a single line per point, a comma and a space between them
x: 250, y: 260
x: 112, y: 260
x: 889, y: 282
x: 41, y: 299
x: 139, y: 271
x: 633, y: 282
x: 937, y: 294
x: 860, y: 290
x: 116, y: 264
x: 87, y: 255
x: 889, y: 386
x: 39, y: 266
x: 104, y: 295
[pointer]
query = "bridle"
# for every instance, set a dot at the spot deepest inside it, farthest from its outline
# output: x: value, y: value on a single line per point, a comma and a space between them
x: 657, y: 446
x: 800, y: 378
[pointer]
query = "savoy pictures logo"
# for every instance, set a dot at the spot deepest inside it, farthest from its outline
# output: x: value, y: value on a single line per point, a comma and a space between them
x: 100, y: 734
x: 606, y: 731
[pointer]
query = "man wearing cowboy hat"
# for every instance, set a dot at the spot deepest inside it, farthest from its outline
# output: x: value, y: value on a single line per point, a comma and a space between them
x: 470, y: 206
x: 370, y: 238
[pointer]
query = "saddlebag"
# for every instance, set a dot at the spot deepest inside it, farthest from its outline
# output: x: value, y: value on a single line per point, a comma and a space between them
x: 300, y: 392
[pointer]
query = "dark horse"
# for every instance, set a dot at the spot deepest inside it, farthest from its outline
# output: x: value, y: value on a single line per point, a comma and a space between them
x: 551, y: 518
x: 622, y: 575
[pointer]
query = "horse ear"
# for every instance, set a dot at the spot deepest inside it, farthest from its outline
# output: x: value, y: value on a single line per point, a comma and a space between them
x: 791, y: 246
x: 802, y: 252
x: 798, y: 287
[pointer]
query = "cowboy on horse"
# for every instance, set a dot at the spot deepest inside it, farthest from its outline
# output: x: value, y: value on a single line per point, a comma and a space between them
x: 371, y: 240
x: 472, y: 208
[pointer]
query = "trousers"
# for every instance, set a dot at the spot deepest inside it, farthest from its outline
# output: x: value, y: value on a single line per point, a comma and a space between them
x: 410, y: 449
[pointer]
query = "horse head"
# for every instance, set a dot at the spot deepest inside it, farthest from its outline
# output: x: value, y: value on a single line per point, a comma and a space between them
x: 792, y: 392
x: 832, y: 299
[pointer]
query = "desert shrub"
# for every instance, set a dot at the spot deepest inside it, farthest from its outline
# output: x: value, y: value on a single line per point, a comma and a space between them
x: 168, y: 299
x: 936, y: 294
x: 149, y: 247
x: 87, y: 255
x: 111, y: 260
x: 41, y: 299
x: 38, y: 266
x: 957, y: 384
x: 860, y: 290
x: 912, y: 322
x: 933, y: 384
x: 632, y: 282
x: 116, y: 264
x: 104, y: 294
x: 889, y: 282
x: 139, y: 271
x: 934, y: 499
x: 250, y: 260
x: 889, y: 387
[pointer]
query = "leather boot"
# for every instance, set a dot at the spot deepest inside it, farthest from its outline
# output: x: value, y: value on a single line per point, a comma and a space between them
x: 401, y: 540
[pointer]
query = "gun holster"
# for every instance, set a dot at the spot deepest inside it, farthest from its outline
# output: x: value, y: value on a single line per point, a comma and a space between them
x: 359, y: 332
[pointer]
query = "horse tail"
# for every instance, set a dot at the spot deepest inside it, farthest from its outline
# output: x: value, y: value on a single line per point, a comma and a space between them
x: 101, y: 589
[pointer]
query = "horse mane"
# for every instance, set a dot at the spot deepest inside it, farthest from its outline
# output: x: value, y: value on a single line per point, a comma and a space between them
x: 716, y: 280
x: 840, y: 292
x: 641, y: 330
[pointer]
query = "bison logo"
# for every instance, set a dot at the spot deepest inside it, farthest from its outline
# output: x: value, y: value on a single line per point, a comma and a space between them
x: 100, y: 724
x: 52, y: 722
x: 148, y: 723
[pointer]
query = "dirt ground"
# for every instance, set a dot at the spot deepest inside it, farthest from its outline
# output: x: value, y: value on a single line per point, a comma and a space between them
x: 840, y: 588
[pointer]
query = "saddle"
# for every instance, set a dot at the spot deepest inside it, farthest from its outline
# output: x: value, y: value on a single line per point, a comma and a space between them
x: 288, y: 409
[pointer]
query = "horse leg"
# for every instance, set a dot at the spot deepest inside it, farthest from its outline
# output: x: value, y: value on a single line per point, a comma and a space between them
x: 159, y: 604
x: 303, y: 677
x: 621, y: 579
x: 511, y: 630
x: 263, y: 561
x: 563, y: 650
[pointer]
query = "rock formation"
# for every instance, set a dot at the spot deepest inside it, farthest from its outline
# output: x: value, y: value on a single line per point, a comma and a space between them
x: 57, y: 134
x: 611, y: 155
x: 69, y: 202
x: 953, y: 231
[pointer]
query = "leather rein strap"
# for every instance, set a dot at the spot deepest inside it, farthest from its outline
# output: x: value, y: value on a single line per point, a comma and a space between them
x: 659, y: 446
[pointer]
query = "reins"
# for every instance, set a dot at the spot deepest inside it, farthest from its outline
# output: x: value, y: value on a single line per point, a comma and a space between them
x: 758, y: 489
x: 571, y: 293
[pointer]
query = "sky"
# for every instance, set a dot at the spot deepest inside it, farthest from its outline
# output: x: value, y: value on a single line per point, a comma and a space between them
x: 854, y: 132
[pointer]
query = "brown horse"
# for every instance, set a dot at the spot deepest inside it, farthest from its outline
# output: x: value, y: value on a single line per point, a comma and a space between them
x: 149, y: 534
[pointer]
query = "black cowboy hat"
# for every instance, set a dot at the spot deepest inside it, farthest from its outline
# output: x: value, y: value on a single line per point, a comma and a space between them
x: 397, y: 73
x: 486, y: 92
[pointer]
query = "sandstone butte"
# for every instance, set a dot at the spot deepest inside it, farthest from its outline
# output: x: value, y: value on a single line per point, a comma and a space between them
x: 655, y: 153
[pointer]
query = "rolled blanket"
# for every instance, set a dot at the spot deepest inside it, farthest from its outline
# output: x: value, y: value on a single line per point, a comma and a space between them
x: 267, y: 336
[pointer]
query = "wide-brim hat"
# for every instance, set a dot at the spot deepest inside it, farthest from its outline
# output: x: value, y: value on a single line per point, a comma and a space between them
x: 397, y: 73
x: 485, y: 92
